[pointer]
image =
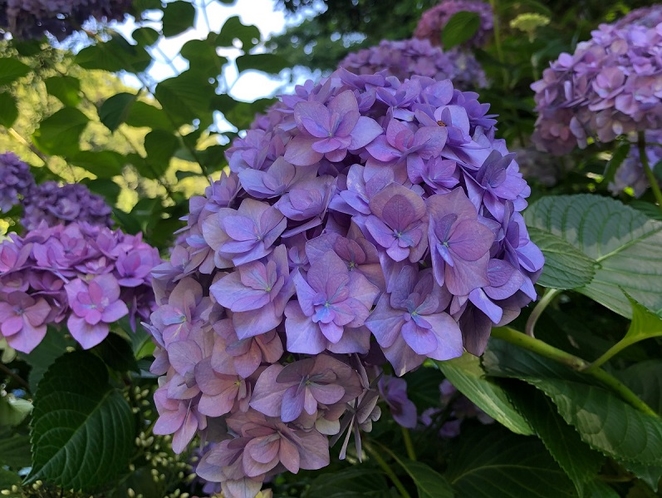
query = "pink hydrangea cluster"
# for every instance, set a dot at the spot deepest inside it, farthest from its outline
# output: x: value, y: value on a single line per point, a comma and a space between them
x: 434, y: 20
x: 364, y: 221
x: 60, y: 18
x: 69, y: 203
x: 610, y: 86
x: 84, y: 275
x: 16, y: 181
x: 405, y: 58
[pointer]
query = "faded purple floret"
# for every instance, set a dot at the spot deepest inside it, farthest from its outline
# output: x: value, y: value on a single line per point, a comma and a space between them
x: 16, y: 182
x: 363, y: 220
x: 434, y: 20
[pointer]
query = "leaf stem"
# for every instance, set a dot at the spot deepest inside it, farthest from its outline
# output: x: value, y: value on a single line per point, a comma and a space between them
x: 387, y: 470
x: 16, y: 377
x: 497, y: 43
x: 650, y: 175
x: 411, y: 453
x: 545, y: 300
x: 543, y: 349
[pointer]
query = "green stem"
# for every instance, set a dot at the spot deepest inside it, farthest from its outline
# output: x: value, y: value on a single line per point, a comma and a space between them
x: 612, y: 351
x: 545, y: 300
x: 411, y: 453
x: 387, y: 470
x: 16, y: 377
x: 655, y: 187
x: 497, y: 43
x: 574, y: 362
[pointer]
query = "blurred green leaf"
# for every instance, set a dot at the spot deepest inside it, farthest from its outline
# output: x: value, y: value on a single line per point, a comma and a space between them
x: 623, y: 243
x: 649, y: 474
x: 14, y: 450
x: 429, y: 483
x: 178, y: 17
x: 116, y: 352
x: 565, y: 266
x: 115, y: 110
x: 160, y: 147
x: 13, y: 410
x: 203, y: 58
x: 268, y: 63
x: 7, y: 480
x: 8, y: 110
x: 103, y: 163
x: 645, y: 380
x: 105, y: 187
x: 186, y: 98
x: 59, y: 133
x: 82, y: 428
x: 616, y: 160
x: 145, y: 36
x: 142, y: 114
x: 352, y: 482
x: 11, y: 69
x: 115, y: 55
x: 459, y: 28
x: 54, y: 345
x: 234, y: 29
x: 64, y: 88
x: 466, y: 374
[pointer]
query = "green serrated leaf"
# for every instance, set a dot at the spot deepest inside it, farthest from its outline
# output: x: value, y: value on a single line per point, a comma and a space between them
x: 12, y: 69
x: 645, y: 380
x: 355, y: 481
x: 234, y: 29
x: 203, y: 58
x: 115, y: 55
x: 160, y: 147
x: 459, y: 28
x: 103, y: 163
x: 8, y: 110
x: 423, y: 387
x: 268, y: 63
x: 493, y: 463
x: 599, y: 489
x: 650, y: 210
x: 64, y: 88
x: 82, y: 429
x: 429, y: 483
x: 117, y: 353
x: 178, y: 17
x: 575, y: 457
x: 54, y: 345
x: 186, y: 98
x: 623, y: 243
x: 649, y: 474
x: 565, y: 266
x: 604, y: 421
x: 466, y: 374
x: 114, y: 111
x: 143, y: 114
x: 59, y: 133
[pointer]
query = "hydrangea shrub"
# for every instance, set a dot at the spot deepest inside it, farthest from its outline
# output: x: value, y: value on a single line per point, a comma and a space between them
x: 366, y: 223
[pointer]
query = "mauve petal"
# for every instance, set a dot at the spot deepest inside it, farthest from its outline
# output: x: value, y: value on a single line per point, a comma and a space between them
x: 381, y: 150
x: 365, y: 131
x: 483, y: 303
x: 114, y: 311
x: 168, y: 422
x: 289, y: 456
x: 303, y: 336
x: 300, y: 152
x: 251, y: 466
x: 466, y: 276
x: 86, y: 335
x: 384, y: 322
x: 312, y: 117
x: 184, y: 355
x: 266, y: 451
x: 267, y: 393
x: 471, y: 240
x: 422, y: 341
x: 449, y: 337
x: 38, y: 312
x: 28, y: 338
x: 314, y: 450
x: 292, y: 406
x: 12, y: 325
x: 108, y: 283
x: 327, y: 394
x: 230, y: 292
x: 183, y: 436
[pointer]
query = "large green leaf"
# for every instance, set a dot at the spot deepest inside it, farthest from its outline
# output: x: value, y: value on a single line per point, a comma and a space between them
x: 623, y: 243
x: 59, y: 133
x: 8, y: 110
x: 268, y: 63
x: 64, y: 88
x: 494, y: 463
x: 160, y: 147
x: 83, y: 428
x: 645, y: 380
x: 14, y: 450
x: 353, y: 482
x: 429, y: 483
x: 565, y: 266
x: 103, y: 163
x: 202, y: 56
x: 13, y: 410
x: 603, y: 420
x: 186, y: 97
x: 178, y: 17
x: 466, y: 374
x: 459, y: 28
x: 54, y: 345
x: 234, y: 29
x: 114, y: 111
x: 575, y: 457
x: 143, y: 114
x: 11, y: 69
x: 115, y: 55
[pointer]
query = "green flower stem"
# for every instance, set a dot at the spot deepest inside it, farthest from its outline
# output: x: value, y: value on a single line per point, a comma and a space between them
x: 16, y: 377
x: 411, y: 453
x: 497, y: 43
x: 547, y: 298
x: 612, y: 351
x: 543, y: 349
x: 655, y: 187
x: 387, y: 470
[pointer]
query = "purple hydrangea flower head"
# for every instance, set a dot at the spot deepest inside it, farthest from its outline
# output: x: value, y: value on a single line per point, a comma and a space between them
x: 72, y: 202
x: 80, y: 274
x: 33, y: 18
x: 433, y: 21
x: 610, y: 86
x: 363, y: 220
x: 394, y: 392
x: 406, y: 58
x: 16, y: 182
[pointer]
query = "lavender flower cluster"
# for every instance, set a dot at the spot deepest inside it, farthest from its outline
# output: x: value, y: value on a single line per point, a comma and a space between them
x: 32, y: 18
x: 364, y: 219
x: 71, y: 202
x: 86, y: 274
x: 610, y: 86
x: 405, y: 58
x: 434, y: 20
x: 16, y: 181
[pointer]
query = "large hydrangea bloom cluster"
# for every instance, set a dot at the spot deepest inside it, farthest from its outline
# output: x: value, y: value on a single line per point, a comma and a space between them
x: 364, y: 219
x: 85, y: 275
x: 16, y: 181
x: 32, y: 18
x: 71, y: 202
x: 405, y: 58
x: 434, y: 20
x: 610, y: 86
